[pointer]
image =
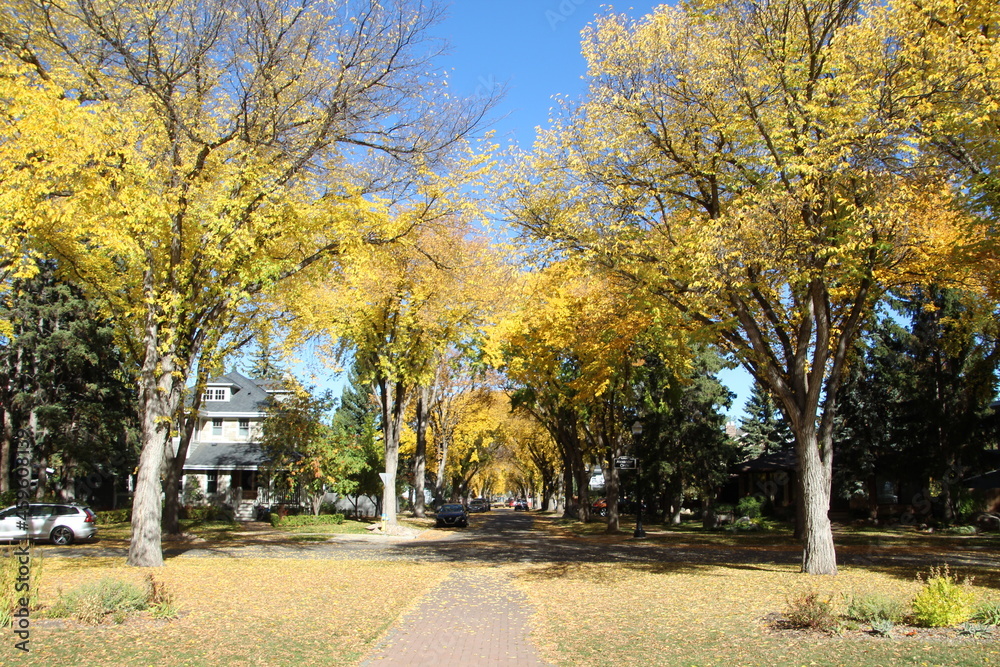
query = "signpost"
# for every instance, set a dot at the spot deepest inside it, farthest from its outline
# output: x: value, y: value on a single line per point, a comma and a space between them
x: 625, y: 463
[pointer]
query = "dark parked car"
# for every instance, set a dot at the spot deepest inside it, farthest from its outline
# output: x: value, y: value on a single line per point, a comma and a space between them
x: 452, y: 514
x: 520, y: 504
x: 479, y: 505
x: 57, y: 522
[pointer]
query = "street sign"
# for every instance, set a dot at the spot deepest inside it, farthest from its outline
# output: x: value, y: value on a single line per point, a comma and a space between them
x: 625, y: 463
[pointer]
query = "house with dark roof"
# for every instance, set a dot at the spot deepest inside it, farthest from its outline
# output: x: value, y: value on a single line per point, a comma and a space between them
x: 225, y: 460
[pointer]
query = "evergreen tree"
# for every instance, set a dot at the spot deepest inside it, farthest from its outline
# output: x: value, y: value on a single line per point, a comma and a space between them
x: 954, y: 350
x: 266, y: 361
x: 357, y: 420
x: 64, y: 382
x: 765, y: 427
x: 684, y: 441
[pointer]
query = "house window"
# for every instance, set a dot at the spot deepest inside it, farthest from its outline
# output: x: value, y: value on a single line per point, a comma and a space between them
x: 244, y: 428
x: 214, y: 395
x: 212, y: 485
x: 216, y: 427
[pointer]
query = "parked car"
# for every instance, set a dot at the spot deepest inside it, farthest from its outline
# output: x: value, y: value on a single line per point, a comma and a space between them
x: 452, y: 514
x: 520, y: 504
x: 59, y: 523
x: 479, y: 505
x: 600, y: 507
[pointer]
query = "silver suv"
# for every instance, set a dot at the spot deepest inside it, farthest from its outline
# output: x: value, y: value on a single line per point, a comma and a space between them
x: 58, y: 523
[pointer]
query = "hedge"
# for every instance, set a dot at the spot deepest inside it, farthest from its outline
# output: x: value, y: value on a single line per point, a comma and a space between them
x: 114, y: 516
x: 291, y: 521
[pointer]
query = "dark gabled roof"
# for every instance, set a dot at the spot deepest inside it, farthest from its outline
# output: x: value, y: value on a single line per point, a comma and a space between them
x: 226, y: 456
x: 246, y: 395
x: 783, y: 459
x: 990, y: 480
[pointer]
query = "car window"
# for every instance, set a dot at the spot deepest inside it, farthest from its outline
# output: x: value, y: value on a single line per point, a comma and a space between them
x: 451, y: 508
x: 66, y: 510
x: 10, y: 511
x: 41, y: 510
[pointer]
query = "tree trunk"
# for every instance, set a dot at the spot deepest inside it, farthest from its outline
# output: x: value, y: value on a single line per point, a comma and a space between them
x: 159, y: 394
x: 439, y: 482
x: 420, y: 456
x: 175, y: 464
x: 676, y: 501
x: 612, y: 484
x: 392, y: 396
x: 816, y: 475
x: 6, y: 439
x: 569, y: 504
x: 872, y: 485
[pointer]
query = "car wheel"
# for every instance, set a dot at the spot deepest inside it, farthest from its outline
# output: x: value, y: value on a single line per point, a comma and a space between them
x: 603, y: 511
x: 61, y: 535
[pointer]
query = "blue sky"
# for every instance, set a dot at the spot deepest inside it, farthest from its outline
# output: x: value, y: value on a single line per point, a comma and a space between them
x: 532, y: 47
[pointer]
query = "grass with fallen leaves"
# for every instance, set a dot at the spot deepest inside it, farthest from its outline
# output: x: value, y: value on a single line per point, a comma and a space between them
x: 669, y: 614
x: 245, y: 611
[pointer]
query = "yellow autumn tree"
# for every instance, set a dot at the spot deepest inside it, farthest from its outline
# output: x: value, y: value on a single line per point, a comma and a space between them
x: 750, y: 165
x: 569, y: 352
x: 951, y: 49
x: 396, y: 310
x: 237, y: 143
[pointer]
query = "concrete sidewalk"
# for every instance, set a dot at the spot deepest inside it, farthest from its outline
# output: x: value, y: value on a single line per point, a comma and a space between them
x: 474, y: 617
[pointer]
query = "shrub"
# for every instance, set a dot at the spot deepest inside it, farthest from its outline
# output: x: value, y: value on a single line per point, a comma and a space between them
x: 987, y: 612
x: 943, y: 601
x: 193, y: 494
x: 95, y: 601
x: 883, y: 627
x: 876, y: 607
x: 809, y: 611
x: 114, y: 516
x: 328, y: 508
x: 290, y: 521
x: 161, y: 602
x: 10, y: 597
x: 977, y: 630
x: 749, y: 506
x: 207, y: 513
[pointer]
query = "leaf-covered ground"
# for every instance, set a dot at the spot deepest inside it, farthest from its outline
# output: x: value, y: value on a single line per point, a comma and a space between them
x: 682, y: 597
x: 240, y: 611
x: 671, y: 614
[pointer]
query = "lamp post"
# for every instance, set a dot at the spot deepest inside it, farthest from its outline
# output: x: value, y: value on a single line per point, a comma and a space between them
x: 636, y: 432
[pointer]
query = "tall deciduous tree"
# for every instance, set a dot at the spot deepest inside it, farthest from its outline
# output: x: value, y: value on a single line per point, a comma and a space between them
x: 238, y: 143
x: 398, y: 309
x: 749, y: 162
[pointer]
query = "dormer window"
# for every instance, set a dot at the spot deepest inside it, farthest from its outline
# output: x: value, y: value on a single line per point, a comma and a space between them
x: 215, y: 395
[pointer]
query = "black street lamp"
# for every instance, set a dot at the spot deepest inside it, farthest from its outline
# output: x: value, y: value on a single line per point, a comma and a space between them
x: 636, y: 432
